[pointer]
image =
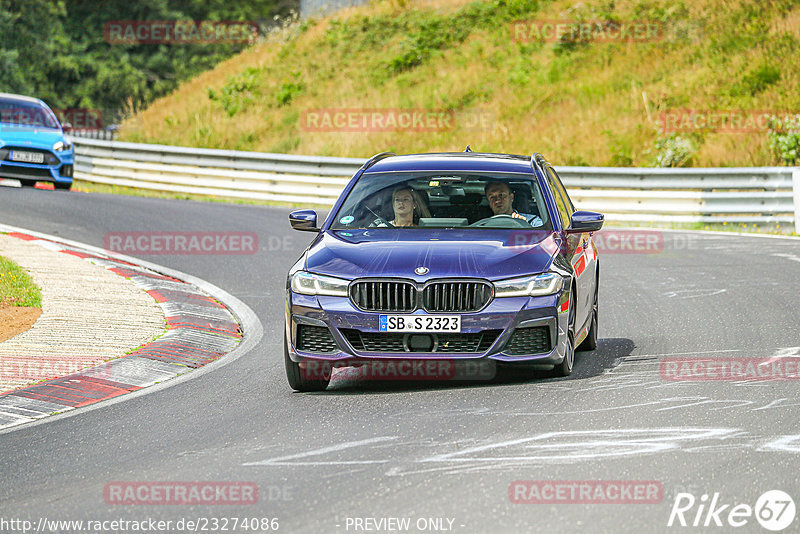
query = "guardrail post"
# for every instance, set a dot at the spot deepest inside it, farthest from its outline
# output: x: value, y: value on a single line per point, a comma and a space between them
x: 796, y: 189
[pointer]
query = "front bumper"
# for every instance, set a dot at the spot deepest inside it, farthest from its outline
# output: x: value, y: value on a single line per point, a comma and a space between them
x: 58, y: 167
x: 486, y: 335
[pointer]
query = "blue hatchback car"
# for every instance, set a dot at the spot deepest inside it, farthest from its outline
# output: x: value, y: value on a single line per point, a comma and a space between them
x: 33, y: 145
x: 465, y: 258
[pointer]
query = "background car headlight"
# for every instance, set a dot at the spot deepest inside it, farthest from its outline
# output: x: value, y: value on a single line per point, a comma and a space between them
x: 307, y: 283
x: 60, y: 146
x: 529, y: 286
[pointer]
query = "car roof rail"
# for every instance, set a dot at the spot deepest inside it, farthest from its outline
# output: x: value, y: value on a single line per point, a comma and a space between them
x: 376, y: 158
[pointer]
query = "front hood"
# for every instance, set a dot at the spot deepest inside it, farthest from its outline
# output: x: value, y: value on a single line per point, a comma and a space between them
x: 27, y: 136
x: 489, y: 254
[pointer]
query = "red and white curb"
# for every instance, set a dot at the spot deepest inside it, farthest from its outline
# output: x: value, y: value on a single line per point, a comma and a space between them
x: 202, y: 327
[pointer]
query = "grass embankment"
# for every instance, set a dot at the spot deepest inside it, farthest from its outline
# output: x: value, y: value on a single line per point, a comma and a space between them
x: 17, y: 287
x: 580, y: 103
x: 20, y: 300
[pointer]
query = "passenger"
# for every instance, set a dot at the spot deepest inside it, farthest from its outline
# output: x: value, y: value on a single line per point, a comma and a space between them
x: 501, y: 201
x: 408, y: 207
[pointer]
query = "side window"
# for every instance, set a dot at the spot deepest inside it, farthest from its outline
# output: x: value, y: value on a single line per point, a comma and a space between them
x: 564, y: 209
x: 562, y: 190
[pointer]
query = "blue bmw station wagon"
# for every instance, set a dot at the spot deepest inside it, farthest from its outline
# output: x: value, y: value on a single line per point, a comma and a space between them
x: 33, y: 144
x: 460, y: 257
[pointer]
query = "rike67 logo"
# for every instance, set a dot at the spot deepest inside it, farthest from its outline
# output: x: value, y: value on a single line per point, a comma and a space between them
x: 774, y: 510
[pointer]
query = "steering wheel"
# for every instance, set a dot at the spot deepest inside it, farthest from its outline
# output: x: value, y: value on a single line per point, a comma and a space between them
x: 380, y: 220
x: 500, y: 221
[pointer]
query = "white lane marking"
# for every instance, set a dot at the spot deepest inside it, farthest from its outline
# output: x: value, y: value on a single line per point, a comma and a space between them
x: 285, y: 460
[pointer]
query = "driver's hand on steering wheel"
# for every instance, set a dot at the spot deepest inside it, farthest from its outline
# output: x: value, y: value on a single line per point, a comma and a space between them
x: 518, y: 216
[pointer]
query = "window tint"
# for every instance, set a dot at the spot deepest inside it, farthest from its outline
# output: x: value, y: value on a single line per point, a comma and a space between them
x: 564, y: 207
x: 444, y: 200
x: 562, y: 190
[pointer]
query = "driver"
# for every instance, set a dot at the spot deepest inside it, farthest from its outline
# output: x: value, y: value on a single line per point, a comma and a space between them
x: 501, y: 201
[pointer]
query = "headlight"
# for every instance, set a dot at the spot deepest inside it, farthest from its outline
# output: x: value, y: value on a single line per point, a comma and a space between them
x: 529, y: 286
x: 307, y: 283
x: 60, y: 146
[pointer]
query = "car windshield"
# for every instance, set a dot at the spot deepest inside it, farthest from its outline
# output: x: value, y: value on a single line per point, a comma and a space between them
x: 444, y: 200
x: 22, y: 113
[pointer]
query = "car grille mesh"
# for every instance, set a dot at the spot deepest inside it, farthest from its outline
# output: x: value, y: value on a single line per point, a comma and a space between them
x: 475, y: 343
x: 533, y: 340
x: 456, y: 296
x: 316, y: 339
x: 388, y: 296
x: 401, y: 296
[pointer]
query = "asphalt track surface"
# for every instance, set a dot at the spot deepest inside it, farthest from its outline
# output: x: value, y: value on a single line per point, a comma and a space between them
x: 449, y: 451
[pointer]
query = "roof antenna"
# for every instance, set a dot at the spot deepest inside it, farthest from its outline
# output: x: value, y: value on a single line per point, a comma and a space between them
x: 468, y: 149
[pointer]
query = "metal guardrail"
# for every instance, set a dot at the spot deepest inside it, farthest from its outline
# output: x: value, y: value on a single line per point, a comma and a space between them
x: 711, y: 195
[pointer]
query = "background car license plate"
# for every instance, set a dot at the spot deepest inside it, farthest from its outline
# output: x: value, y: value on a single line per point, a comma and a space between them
x: 420, y: 323
x: 27, y: 157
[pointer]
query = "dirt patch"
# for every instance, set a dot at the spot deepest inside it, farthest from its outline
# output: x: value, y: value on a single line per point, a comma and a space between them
x: 16, y: 319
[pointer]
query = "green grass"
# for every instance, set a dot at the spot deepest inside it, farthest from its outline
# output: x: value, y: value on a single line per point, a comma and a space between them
x: 17, y: 287
x: 579, y: 103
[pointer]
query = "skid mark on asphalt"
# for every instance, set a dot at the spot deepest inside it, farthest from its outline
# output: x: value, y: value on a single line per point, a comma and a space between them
x: 693, y: 293
x: 787, y: 256
x: 403, y: 458
x: 292, y: 459
x: 783, y: 444
x: 537, y: 450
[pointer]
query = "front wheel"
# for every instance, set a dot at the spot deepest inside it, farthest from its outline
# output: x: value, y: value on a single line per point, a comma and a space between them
x: 565, y: 367
x: 305, y: 379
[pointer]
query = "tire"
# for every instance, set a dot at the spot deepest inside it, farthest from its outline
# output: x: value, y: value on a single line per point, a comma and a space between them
x: 565, y: 367
x: 27, y: 183
x: 298, y: 379
x: 590, y: 343
x: 62, y: 187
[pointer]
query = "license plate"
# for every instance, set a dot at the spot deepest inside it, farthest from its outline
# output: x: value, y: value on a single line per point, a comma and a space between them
x: 420, y: 323
x: 27, y: 157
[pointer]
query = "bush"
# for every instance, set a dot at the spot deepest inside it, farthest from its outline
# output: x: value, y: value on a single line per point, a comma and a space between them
x: 674, y: 151
x: 784, y: 139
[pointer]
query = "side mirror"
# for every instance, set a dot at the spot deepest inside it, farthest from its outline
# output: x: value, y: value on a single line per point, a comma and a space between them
x: 304, y: 220
x: 67, y: 126
x: 585, y: 221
